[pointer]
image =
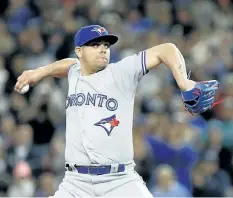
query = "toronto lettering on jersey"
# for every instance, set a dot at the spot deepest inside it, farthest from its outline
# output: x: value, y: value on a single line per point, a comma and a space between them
x: 98, y: 100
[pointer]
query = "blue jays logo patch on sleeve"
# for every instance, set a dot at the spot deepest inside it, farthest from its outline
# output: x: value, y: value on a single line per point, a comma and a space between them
x: 108, y: 123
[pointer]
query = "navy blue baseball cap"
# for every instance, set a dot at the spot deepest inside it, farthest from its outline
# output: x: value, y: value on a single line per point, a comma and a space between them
x: 91, y: 33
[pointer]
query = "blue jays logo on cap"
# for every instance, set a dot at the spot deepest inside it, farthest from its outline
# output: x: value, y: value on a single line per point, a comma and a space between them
x: 93, y: 32
x: 108, y: 123
x: 99, y: 30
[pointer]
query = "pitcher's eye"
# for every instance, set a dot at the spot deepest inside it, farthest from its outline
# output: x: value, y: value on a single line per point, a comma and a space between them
x: 106, y: 45
x: 94, y: 44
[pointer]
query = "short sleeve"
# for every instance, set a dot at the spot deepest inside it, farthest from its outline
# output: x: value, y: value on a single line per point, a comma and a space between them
x: 128, y: 72
x: 72, y: 68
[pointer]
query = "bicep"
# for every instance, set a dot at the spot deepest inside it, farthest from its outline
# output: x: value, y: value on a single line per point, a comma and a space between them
x: 156, y: 54
x: 152, y: 59
x: 62, y: 68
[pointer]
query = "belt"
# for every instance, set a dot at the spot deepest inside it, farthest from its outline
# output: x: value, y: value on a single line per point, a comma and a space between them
x: 97, y: 170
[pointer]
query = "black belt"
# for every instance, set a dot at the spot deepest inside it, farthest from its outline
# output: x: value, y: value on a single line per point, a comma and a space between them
x: 97, y: 170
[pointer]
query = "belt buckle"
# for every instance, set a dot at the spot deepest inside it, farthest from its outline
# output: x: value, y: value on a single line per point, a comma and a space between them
x: 114, y: 168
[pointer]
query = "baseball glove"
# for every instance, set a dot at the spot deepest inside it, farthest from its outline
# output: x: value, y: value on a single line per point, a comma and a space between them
x: 201, y: 97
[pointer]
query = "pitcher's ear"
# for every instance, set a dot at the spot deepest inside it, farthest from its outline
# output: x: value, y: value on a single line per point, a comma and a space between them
x: 78, y: 52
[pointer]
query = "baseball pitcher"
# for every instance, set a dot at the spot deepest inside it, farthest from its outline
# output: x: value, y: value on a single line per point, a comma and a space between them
x: 99, y: 111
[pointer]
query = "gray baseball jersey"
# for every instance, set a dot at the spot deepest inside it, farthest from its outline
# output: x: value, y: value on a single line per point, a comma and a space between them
x: 99, y: 112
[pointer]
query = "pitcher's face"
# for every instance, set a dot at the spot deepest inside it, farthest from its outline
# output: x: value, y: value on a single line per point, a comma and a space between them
x: 95, y: 55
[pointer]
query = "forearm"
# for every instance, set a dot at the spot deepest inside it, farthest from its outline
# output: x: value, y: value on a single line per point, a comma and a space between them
x: 58, y: 68
x: 174, y: 60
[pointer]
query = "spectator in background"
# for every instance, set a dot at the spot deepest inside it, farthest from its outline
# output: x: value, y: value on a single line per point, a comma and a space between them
x: 5, y: 179
x: 42, y: 126
x: 17, y: 66
x: 7, y: 129
x: 224, y: 15
x: 224, y: 122
x: 54, y: 160
x: 160, y: 12
x: 167, y: 184
x: 70, y: 24
x: 18, y: 13
x: 138, y: 23
x: 142, y: 155
x: 7, y: 40
x: 18, y: 105
x: 213, y: 146
x: 175, y: 152
x: 184, y: 22
x: 23, y: 39
x: 202, y: 12
x: 23, y: 184
x: 45, y: 185
x: 216, y: 181
x: 198, y: 181
x: 37, y: 53
x: 43, y: 132
x: 4, y: 76
x: 20, y: 150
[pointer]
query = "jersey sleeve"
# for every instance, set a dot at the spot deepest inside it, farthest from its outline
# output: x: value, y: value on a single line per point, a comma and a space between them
x: 128, y: 72
x: 72, y: 68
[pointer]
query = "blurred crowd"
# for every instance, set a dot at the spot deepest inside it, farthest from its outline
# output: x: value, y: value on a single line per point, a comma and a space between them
x: 177, y: 154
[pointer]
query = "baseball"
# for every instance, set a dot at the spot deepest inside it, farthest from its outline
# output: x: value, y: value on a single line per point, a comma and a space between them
x: 24, y: 89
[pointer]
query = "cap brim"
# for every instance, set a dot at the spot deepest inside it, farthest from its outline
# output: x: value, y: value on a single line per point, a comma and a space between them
x: 112, y: 39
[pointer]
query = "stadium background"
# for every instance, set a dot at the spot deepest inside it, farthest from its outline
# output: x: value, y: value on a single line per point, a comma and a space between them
x: 177, y: 154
